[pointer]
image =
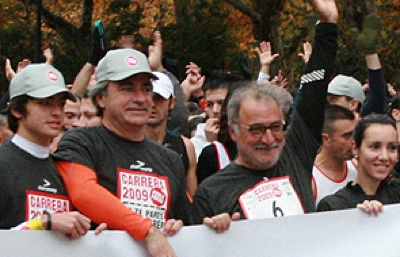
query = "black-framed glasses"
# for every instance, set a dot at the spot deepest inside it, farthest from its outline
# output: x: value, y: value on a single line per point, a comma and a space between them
x: 258, y: 130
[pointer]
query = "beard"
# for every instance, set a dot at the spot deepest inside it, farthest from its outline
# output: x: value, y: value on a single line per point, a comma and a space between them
x: 258, y: 160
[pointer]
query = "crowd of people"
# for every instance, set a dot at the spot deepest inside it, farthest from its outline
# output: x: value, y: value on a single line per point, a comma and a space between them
x: 129, y: 147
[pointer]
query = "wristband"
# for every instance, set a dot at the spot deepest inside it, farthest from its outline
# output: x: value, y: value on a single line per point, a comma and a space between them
x: 48, y: 225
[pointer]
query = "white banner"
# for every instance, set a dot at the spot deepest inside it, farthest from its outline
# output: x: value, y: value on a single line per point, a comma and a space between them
x: 345, y: 233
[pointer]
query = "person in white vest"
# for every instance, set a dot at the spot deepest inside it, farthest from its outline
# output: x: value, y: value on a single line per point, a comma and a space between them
x: 333, y: 167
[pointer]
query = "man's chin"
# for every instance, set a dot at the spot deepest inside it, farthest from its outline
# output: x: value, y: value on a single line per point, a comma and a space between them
x: 152, y: 123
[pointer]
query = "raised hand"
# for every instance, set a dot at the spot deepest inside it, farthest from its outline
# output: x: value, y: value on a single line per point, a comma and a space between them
x: 280, y: 80
x: 48, y: 54
x: 9, y: 72
x: 368, y: 39
x: 22, y: 64
x: 327, y: 10
x: 307, y: 48
x: 156, y: 52
x: 193, y: 81
x: 265, y: 55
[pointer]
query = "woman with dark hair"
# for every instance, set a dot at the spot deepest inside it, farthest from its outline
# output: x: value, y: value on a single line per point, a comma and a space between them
x: 375, y: 148
x: 393, y: 111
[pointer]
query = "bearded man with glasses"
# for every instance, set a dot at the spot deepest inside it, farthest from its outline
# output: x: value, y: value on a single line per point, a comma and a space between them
x: 271, y: 176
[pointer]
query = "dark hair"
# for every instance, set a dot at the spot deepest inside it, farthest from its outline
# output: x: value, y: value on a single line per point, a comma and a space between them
x: 192, y: 125
x: 367, y: 121
x: 333, y: 113
x: 223, y: 134
x: 219, y: 79
x: 86, y: 95
x: 17, y: 104
x: 93, y: 96
x: 394, y: 104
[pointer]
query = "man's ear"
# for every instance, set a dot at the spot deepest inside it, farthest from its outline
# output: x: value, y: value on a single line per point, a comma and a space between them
x: 100, y: 99
x: 396, y: 114
x: 325, y: 138
x: 172, y: 102
x: 354, y: 105
x: 232, y: 132
x: 15, y: 113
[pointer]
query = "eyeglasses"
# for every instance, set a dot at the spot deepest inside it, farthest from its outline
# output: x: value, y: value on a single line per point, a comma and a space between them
x: 259, y: 130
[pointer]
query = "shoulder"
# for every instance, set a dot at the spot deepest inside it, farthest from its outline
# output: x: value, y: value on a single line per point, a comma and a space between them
x: 342, y: 199
x: 230, y: 175
x: 208, y: 151
x: 158, y: 149
x: 82, y: 133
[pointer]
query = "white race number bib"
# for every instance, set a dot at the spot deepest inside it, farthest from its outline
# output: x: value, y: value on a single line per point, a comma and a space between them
x: 37, y: 202
x: 271, y: 198
x: 145, y: 193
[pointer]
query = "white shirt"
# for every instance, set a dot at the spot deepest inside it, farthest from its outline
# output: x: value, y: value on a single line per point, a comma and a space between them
x: 325, y: 185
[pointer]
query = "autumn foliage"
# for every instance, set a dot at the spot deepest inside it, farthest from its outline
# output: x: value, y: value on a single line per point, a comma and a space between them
x: 216, y: 34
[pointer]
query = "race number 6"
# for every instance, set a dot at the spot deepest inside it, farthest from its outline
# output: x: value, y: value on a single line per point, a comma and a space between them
x: 277, y: 210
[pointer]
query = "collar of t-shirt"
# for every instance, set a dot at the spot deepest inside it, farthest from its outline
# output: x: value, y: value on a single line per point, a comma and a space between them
x: 41, y: 152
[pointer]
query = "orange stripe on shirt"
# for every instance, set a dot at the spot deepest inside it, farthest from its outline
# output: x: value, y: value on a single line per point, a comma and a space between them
x: 99, y: 204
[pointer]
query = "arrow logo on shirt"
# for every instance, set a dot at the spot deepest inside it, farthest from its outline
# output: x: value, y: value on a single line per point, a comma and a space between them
x: 140, y: 166
x: 46, y: 183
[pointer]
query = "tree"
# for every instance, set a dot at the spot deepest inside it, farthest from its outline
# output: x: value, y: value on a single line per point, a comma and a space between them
x: 266, y: 16
x: 200, y: 34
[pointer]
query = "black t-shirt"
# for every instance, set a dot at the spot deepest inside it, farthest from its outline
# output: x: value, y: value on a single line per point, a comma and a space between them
x: 351, y: 195
x: 175, y: 142
x: 208, y: 160
x: 219, y: 193
x: 133, y: 171
x: 28, y: 186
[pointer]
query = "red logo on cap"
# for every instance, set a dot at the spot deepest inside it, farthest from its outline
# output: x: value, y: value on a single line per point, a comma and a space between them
x: 52, y: 75
x: 131, y: 60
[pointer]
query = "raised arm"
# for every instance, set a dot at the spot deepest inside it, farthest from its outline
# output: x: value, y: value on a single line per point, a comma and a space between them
x: 264, y: 52
x: 314, y: 82
x: 368, y: 41
x: 180, y: 113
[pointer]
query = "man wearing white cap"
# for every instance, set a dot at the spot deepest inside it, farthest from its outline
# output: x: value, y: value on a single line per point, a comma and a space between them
x: 112, y: 172
x: 156, y: 128
x: 29, y: 176
x: 347, y: 92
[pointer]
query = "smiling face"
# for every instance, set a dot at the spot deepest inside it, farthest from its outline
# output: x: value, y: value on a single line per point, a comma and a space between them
x: 43, y: 120
x: 377, y: 153
x: 255, y: 152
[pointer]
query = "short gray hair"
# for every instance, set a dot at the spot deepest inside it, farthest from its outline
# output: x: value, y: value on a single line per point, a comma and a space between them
x: 257, y: 92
